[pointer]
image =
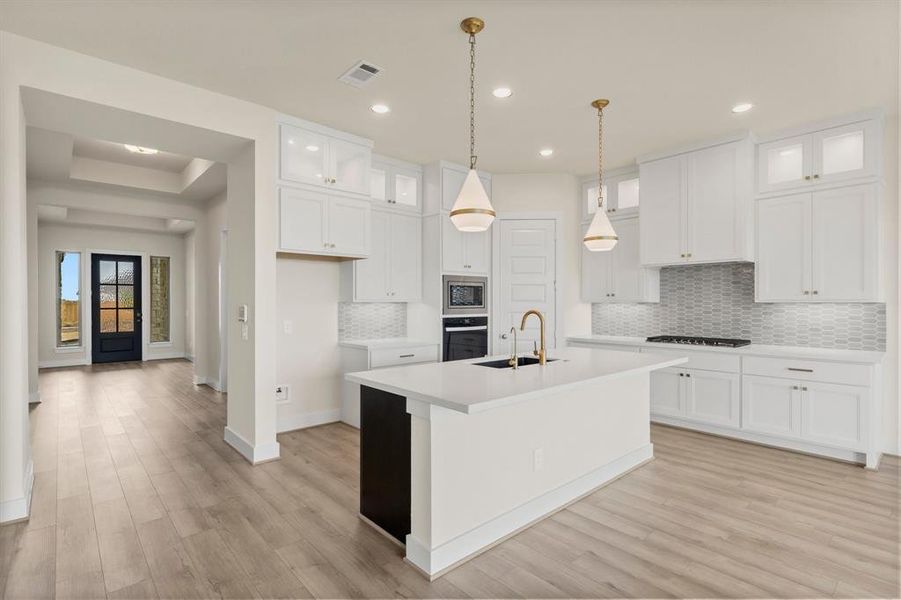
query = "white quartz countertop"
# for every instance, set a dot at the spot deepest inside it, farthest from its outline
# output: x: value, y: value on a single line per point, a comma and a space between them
x: 852, y: 356
x: 468, y: 388
x: 376, y: 344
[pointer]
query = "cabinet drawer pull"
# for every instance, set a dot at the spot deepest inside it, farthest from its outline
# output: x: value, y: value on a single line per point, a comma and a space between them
x: 800, y: 370
x: 406, y: 356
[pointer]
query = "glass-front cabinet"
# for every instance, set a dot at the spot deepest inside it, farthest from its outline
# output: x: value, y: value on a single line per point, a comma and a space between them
x: 337, y: 161
x: 836, y: 154
x: 620, y: 193
x: 396, y: 184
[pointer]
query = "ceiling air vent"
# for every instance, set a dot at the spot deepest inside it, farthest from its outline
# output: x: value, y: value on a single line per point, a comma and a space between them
x: 360, y: 74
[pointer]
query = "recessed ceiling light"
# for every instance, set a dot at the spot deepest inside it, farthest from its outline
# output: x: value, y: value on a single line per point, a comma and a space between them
x: 743, y: 107
x: 380, y: 109
x: 502, y: 92
x: 140, y: 149
x: 545, y: 152
x: 313, y: 148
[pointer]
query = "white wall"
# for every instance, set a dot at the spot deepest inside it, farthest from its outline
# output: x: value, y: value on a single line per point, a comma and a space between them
x: 308, y: 357
x: 53, y: 237
x: 213, y: 223
x: 553, y: 192
x: 890, y: 269
x: 190, y: 294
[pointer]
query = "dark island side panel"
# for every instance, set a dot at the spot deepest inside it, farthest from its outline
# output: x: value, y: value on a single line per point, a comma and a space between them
x: 385, y: 461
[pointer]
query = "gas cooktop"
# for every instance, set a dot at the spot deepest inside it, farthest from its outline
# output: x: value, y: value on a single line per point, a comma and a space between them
x: 698, y: 341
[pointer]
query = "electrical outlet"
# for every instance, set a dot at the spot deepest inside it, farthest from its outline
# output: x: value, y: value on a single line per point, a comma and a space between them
x: 537, y: 459
x: 281, y: 393
x: 289, y: 327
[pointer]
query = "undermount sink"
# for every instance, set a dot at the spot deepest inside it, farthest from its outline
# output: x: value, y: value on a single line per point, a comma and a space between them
x: 504, y: 363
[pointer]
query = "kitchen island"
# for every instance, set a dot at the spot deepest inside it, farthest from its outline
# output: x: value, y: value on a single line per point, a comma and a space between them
x: 455, y: 456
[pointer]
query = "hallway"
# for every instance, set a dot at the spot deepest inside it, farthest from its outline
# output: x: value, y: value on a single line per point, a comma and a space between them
x: 137, y: 496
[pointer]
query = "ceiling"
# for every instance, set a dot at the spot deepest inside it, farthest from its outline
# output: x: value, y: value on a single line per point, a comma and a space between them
x: 672, y: 70
x: 118, y: 153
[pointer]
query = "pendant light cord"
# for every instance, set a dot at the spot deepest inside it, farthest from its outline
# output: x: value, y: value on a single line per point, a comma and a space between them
x: 600, y: 158
x: 472, y: 101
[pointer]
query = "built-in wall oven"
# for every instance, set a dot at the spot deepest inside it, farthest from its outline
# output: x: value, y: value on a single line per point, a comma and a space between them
x: 465, y: 295
x: 465, y: 337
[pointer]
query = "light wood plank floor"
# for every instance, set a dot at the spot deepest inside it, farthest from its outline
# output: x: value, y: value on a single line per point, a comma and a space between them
x: 137, y: 496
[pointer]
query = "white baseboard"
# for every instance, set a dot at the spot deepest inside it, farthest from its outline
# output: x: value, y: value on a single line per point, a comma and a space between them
x: 63, y: 362
x: 34, y: 397
x: 189, y: 357
x: 304, y: 420
x: 213, y: 383
x: 435, y: 561
x: 19, y: 508
x: 254, y: 454
x: 164, y: 355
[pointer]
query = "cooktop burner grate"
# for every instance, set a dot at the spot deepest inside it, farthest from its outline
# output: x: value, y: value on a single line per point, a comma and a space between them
x: 698, y: 341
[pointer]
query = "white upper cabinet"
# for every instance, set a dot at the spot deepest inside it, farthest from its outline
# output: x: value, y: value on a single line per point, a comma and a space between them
x: 620, y: 193
x: 819, y: 247
x: 820, y: 157
x: 313, y: 222
x: 464, y: 253
x: 318, y: 156
x: 445, y: 180
x: 393, y: 271
x: 396, y: 184
x: 696, y: 207
x: 617, y: 275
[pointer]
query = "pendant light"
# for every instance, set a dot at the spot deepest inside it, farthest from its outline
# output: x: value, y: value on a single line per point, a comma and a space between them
x: 600, y: 235
x: 472, y: 210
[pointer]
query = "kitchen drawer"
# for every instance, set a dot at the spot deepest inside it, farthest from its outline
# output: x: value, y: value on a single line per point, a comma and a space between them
x: 392, y: 357
x: 808, y: 370
x: 708, y: 361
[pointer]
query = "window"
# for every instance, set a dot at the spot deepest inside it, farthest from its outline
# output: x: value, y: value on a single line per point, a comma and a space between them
x: 159, y: 299
x: 68, y: 303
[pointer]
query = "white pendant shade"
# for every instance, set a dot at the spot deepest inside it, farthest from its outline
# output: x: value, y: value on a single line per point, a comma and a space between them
x: 600, y: 235
x: 472, y: 211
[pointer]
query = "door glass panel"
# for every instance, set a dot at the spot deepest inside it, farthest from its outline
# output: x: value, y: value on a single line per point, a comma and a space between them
x: 377, y: 184
x: 107, y: 271
x: 126, y: 296
x: 351, y: 164
x: 785, y: 163
x: 843, y: 153
x: 108, y: 320
x: 303, y: 155
x: 405, y: 190
x: 627, y: 194
x: 126, y: 272
x: 107, y: 296
x: 126, y: 320
x: 591, y: 199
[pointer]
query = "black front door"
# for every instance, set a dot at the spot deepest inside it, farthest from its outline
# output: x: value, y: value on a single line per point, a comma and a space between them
x: 115, y: 307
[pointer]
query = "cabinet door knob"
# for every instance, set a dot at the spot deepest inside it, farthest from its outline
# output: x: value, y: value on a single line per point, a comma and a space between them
x: 681, y: 374
x: 794, y: 387
x: 806, y: 292
x: 816, y: 176
x: 816, y: 292
x: 803, y: 388
x: 807, y: 177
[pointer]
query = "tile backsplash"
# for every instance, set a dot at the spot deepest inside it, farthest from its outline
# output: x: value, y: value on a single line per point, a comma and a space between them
x: 718, y: 301
x: 367, y: 321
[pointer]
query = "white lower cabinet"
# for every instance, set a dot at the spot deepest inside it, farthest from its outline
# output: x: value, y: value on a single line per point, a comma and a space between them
x: 771, y: 406
x: 821, y: 413
x: 696, y: 395
x: 800, y: 400
x: 392, y: 272
x: 317, y: 223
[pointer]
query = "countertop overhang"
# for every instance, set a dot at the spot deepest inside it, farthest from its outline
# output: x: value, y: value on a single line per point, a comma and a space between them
x: 468, y: 388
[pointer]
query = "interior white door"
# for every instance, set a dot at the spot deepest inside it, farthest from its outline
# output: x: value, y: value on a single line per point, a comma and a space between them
x: 666, y: 392
x: 405, y: 259
x: 844, y: 259
x: 662, y: 216
x: 371, y: 274
x: 527, y: 278
x: 771, y: 405
x: 783, y: 248
x: 348, y: 226
x: 713, y: 203
x: 302, y: 219
x: 712, y: 397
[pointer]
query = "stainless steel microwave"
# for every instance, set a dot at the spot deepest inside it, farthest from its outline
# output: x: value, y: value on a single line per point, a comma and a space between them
x: 465, y: 295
